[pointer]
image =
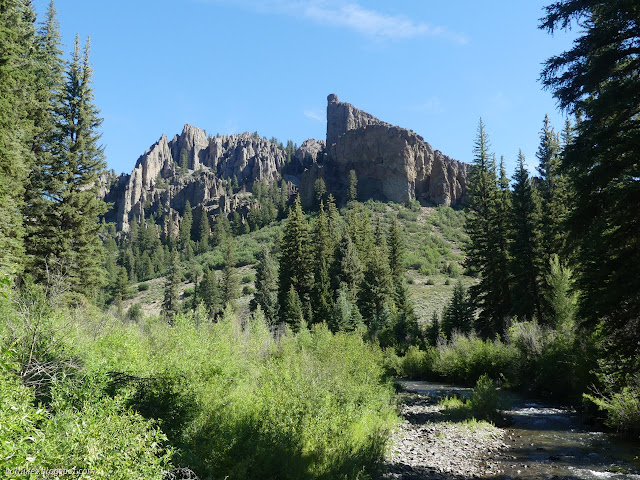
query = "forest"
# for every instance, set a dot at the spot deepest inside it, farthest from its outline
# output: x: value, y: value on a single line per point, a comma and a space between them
x: 265, y: 344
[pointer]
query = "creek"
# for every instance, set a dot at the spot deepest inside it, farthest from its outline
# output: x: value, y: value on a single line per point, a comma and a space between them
x: 547, y: 441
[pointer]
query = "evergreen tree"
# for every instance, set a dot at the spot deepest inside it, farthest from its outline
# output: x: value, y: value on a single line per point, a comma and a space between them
x: 74, y: 217
x: 553, y: 191
x: 320, y: 190
x: 292, y: 310
x: 352, y: 186
x: 221, y: 229
x: 458, y: 314
x: 204, y: 232
x: 333, y: 216
x: 229, y: 286
x: 345, y: 316
x: 266, y: 294
x: 184, y: 161
x: 486, y: 255
x: 395, y: 242
x: 376, y: 294
x: 186, y: 225
x: 209, y: 293
x: 347, y: 268
x: 47, y: 106
x: 296, y: 260
x: 324, y: 249
x: 434, y: 329
x: 598, y: 77
x: 171, y: 302
x: 17, y: 92
x: 525, y: 246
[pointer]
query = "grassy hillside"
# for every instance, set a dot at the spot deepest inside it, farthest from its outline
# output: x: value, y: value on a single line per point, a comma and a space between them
x: 434, y: 240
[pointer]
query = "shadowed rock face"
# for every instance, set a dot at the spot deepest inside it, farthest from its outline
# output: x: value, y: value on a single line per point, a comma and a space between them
x: 391, y: 163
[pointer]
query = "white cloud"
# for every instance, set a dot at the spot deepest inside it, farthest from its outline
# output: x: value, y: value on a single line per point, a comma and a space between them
x: 432, y: 105
x: 314, y: 115
x: 353, y: 16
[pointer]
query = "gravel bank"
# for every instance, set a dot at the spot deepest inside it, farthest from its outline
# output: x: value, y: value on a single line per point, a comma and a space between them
x: 427, y: 446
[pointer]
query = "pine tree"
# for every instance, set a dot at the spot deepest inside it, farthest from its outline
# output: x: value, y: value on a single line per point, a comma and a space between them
x: 376, y: 294
x: 347, y: 268
x: 598, y: 77
x: 229, y: 285
x: 486, y: 255
x: 77, y: 207
x: 204, y: 232
x: 324, y: 250
x: 553, y: 194
x: 209, y: 293
x: 291, y: 312
x: 525, y: 246
x: 221, y: 229
x: 458, y: 315
x: 345, y: 316
x: 266, y: 294
x: 296, y: 260
x: 333, y: 216
x: 320, y: 190
x: 17, y: 92
x: 171, y: 302
x: 434, y: 329
x: 352, y: 186
x: 186, y: 225
x: 41, y: 184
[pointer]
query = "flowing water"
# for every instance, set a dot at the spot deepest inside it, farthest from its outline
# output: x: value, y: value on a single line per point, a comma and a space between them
x: 551, y: 442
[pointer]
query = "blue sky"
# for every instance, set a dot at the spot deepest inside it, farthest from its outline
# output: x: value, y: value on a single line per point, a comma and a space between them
x: 230, y: 66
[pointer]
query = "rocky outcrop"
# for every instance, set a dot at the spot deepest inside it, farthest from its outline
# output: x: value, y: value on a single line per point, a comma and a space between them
x: 311, y: 151
x: 391, y: 163
x: 196, y: 168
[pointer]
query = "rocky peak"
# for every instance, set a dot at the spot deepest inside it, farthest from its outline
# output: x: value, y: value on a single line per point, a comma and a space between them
x: 343, y: 117
x: 159, y: 183
x: 391, y: 163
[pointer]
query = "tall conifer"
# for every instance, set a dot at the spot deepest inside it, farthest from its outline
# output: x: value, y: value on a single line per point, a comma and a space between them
x: 296, y: 260
x: 525, y: 246
x: 485, y: 251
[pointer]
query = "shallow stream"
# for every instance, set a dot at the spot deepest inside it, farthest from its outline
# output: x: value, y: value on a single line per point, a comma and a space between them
x: 551, y: 442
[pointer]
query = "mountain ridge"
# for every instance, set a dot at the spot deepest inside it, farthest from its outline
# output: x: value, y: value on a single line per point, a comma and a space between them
x: 391, y: 163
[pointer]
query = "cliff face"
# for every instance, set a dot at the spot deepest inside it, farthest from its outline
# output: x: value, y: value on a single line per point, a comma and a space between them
x: 158, y: 180
x: 391, y: 163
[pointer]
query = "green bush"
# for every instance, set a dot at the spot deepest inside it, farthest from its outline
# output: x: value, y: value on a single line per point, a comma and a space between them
x: 100, y: 434
x: 247, y: 290
x: 485, y: 398
x: 622, y: 408
x: 234, y: 402
x: 143, y: 287
x: 135, y: 312
x: 417, y: 363
x: 465, y: 358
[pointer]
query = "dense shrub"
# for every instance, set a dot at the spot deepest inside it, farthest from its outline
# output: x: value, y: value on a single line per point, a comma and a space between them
x: 100, y: 434
x: 622, y: 408
x: 234, y: 402
x: 466, y: 358
x: 485, y: 398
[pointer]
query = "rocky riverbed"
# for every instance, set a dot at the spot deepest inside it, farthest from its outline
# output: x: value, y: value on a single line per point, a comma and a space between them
x: 428, y: 446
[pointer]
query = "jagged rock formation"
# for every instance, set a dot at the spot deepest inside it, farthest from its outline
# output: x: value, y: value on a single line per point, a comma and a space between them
x: 392, y: 163
x: 158, y: 182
